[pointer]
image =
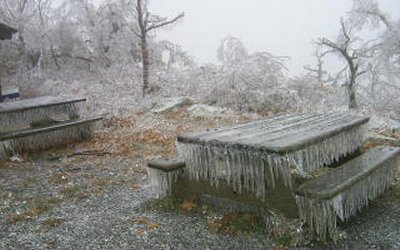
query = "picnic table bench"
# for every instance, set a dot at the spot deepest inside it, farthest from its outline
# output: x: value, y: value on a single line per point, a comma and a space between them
x: 42, y: 122
x: 343, y: 191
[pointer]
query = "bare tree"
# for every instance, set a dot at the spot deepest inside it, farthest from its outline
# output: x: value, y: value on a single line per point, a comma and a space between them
x: 384, y: 67
x: 318, y: 71
x: 31, y: 19
x: 343, y: 46
x: 147, y: 22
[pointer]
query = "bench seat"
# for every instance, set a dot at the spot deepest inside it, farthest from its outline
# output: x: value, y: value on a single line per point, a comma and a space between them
x: 163, y: 173
x: 167, y: 164
x: 45, y: 135
x: 346, y: 189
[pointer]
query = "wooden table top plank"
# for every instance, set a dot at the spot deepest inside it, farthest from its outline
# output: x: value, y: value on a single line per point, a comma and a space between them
x: 252, y: 130
x: 229, y: 128
x: 278, y: 134
x: 318, y: 132
x: 38, y: 102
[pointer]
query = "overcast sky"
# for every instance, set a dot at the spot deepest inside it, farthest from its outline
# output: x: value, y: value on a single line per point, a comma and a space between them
x: 281, y: 27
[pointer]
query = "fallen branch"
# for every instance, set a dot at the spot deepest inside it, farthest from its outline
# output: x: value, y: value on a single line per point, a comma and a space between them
x: 81, y: 153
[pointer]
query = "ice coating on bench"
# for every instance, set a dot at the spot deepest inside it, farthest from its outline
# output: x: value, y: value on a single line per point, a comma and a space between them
x: 15, y: 114
x: 163, y: 173
x: 161, y: 181
x: 255, y: 156
x: 343, y: 191
x: 44, y: 137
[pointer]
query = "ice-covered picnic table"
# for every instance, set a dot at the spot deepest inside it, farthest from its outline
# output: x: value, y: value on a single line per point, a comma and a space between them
x: 258, y: 155
x: 42, y: 122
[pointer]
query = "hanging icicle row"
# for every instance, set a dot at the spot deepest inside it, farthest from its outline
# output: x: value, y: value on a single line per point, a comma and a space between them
x: 328, y: 151
x: 243, y: 170
x: 161, y: 181
x: 44, y: 139
x: 10, y: 121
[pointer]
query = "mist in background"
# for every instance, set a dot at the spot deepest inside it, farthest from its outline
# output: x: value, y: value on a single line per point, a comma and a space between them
x: 283, y: 28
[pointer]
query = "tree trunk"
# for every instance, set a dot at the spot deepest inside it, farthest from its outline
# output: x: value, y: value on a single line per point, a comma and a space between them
x: 146, y: 66
x: 352, y: 90
x: 1, y: 94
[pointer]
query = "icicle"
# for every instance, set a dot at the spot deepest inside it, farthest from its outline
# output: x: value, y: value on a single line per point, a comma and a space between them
x: 243, y: 170
x: 328, y: 151
x: 10, y: 121
x: 45, y: 139
x: 6, y: 149
x: 161, y: 181
x: 322, y: 214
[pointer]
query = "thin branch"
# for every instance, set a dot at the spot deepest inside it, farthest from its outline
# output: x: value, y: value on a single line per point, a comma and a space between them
x: 156, y: 26
x: 330, y: 44
x: 345, y: 32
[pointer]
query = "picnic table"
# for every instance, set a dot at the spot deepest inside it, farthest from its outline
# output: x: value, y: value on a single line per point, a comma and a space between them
x: 230, y: 165
x: 42, y: 122
x: 257, y: 155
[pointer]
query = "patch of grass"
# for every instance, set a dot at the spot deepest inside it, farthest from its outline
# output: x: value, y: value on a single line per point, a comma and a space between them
x: 39, y: 206
x: 101, y: 182
x: 11, y: 219
x: 50, y: 244
x: 284, y: 241
x: 29, y: 181
x: 171, y: 203
x: 149, y: 225
x: 164, y: 204
x: 58, y: 179
x: 74, y: 192
x: 70, y: 191
x: 53, y: 222
x: 43, y: 205
x: 231, y: 223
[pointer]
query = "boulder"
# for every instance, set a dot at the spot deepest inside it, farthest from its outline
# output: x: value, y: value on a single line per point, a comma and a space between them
x: 202, y: 110
x: 167, y: 104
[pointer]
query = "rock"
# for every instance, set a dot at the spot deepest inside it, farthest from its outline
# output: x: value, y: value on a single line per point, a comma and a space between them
x: 374, y: 139
x: 170, y: 103
x: 384, y: 124
x: 202, y: 110
x: 373, y: 136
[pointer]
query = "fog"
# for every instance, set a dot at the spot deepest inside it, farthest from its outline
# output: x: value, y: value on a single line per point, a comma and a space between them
x: 283, y: 28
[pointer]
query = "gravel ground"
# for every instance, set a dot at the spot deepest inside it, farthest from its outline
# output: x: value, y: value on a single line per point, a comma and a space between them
x: 55, y: 200
x: 91, y: 217
x: 375, y: 227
